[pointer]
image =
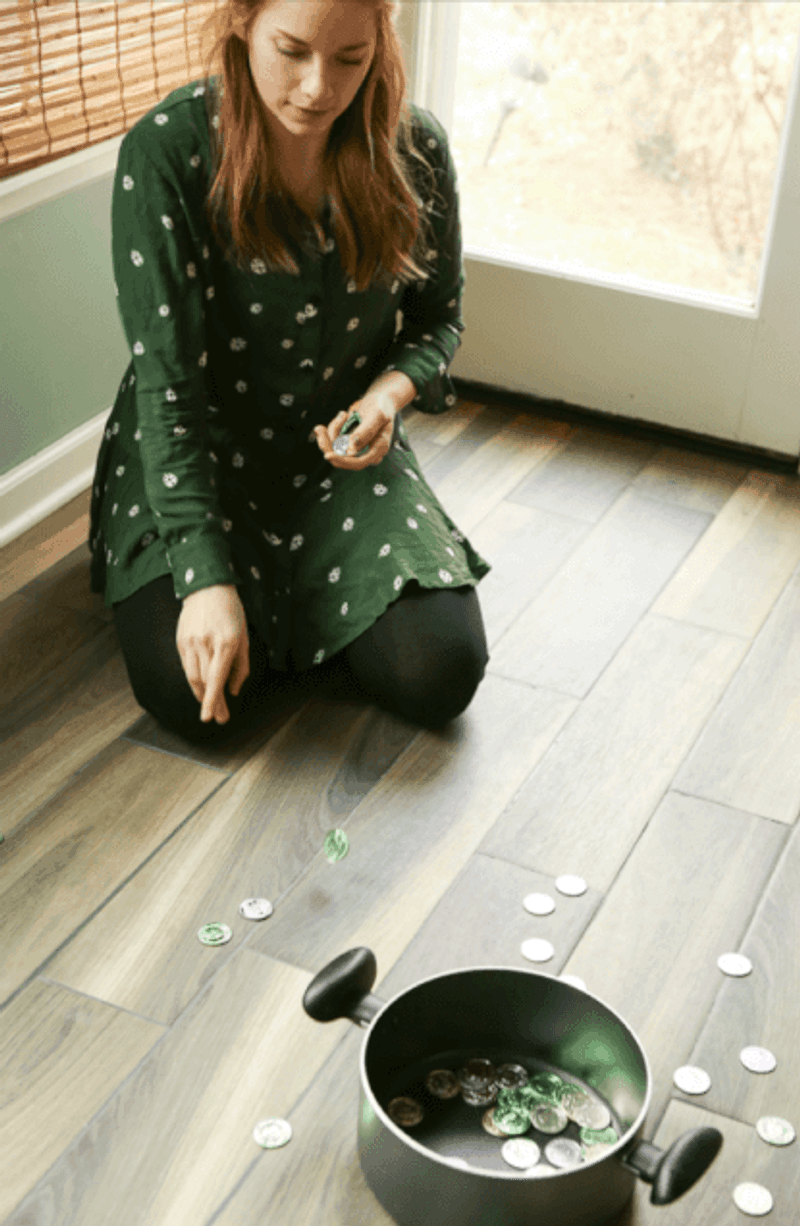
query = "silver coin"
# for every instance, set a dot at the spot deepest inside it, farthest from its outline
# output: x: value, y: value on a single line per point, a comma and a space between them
x: 477, y: 1073
x: 537, y: 950
x: 597, y: 1150
x: 549, y: 1118
x: 573, y: 1099
x: 575, y: 980
x: 776, y: 1131
x: 734, y: 964
x: 509, y: 1076
x: 214, y: 934
x: 272, y: 1133
x: 442, y: 1082
x: 570, y: 885
x: 405, y: 1111
x: 691, y: 1080
x: 487, y: 1120
x: 341, y: 444
x: 757, y: 1059
x: 562, y: 1152
x: 539, y: 904
x: 480, y: 1097
x: 752, y: 1198
x: 593, y: 1114
x: 540, y: 1169
x: 255, y: 908
x: 521, y: 1153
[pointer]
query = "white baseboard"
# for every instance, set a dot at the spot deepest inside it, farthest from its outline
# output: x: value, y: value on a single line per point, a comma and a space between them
x: 33, y: 490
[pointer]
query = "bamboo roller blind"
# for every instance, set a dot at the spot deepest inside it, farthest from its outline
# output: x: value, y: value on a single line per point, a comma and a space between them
x: 74, y: 73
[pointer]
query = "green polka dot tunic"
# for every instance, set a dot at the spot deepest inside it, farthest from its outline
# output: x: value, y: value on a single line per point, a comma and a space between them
x: 209, y: 469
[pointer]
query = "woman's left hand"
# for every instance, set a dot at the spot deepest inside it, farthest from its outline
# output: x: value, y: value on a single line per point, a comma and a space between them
x: 377, y: 412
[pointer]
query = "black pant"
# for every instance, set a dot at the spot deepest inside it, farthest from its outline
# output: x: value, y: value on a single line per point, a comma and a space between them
x: 422, y: 659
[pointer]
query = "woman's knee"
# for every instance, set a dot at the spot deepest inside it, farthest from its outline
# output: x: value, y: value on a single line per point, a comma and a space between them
x: 445, y: 690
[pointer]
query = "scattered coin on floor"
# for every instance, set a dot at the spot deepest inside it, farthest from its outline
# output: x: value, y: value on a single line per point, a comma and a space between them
x: 405, y: 1111
x: 752, y: 1198
x: 549, y: 1118
x: 570, y: 885
x: 336, y: 845
x: 255, y: 908
x: 691, y: 1080
x: 214, y: 934
x: 757, y: 1059
x: 521, y: 1153
x: 575, y: 980
x: 593, y: 1115
x: 537, y: 950
x: 442, y: 1082
x: 273, y: 1133
x: 562, y: 1152
x: 539, y: 904
x: 776, y: 1131
x: 734, y: 964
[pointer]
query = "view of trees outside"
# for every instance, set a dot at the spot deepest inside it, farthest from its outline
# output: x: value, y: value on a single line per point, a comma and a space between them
x: 629, y: 138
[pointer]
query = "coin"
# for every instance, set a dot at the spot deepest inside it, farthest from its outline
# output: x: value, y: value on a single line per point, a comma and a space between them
x: 691, y: 1080
x: 255, y: 908
x: 539, y: 904
x: 572, y: 1099
x: 442, y: 1082
x: 752, y: 1198
x: 540, y: 1169
x: 575, y: 980
x: 562, y: 1152
x: 480, y: 1096
x: 405, y: 1111
x: 521, y: 1153
x: 734, y: 964
x: 757, y: 1059
x: 589, y: 1152
x: 214, y: 934
x: 487, y: 1120
x: 511, y: 1075
x: 272, y: 1133
x: 341, y: 445
x: 570, y: 885
x: 592, y: 1114
x: 336, y: 845
x: 511, y: 1123
x: 776, y: 1131
x: 477, y: 1073
x: 548, y: 1117
x: 599, y: 1136
x: 537, y: 950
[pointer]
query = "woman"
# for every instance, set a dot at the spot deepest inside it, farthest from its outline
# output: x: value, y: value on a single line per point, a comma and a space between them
x: 269, y: 223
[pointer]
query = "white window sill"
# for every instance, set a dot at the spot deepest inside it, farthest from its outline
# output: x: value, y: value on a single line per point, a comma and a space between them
x: 21, y: 192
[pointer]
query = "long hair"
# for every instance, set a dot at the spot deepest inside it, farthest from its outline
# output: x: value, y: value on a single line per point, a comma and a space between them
x: 373, y: 167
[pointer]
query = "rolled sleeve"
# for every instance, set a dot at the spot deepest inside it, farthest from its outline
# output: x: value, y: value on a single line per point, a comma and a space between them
x: 158, y: 270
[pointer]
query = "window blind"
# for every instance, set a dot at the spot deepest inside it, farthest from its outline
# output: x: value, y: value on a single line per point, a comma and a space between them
x: 74, y: 73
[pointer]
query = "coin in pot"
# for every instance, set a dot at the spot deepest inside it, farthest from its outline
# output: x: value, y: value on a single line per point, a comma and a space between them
x: 540, y: 1169
x: 562, y: 1152
x: 548, y: 1085
x: 593, y: 1114
x: 757, y: 1059
x: 511, y: 1123
x: 480, y: 1097
x: 510, y: 1075
x: 487, y: 1120
x: 272, y: 1133
x: 442, y: 1082
x: 477, y: 1073
x: 521, y: 1153
x: 574, y: 1099
x: 734, y: 964
x: 776, y: 1131
x: 752, y: 1198
x: 549, y: 1117
x: 255, y: 908
x: 691, y: 1080
x: 405, y: 1111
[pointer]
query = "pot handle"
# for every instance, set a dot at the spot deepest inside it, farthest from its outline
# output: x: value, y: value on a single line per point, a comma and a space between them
x: 342, y: 989
x: 672, y: 1172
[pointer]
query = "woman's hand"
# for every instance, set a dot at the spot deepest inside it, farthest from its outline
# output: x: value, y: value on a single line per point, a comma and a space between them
x: 377, y: 412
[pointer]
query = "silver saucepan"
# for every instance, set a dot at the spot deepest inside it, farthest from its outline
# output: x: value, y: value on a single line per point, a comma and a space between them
x: 447, y: 1168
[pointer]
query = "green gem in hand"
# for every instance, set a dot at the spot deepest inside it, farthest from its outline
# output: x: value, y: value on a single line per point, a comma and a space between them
x: 336, y: 845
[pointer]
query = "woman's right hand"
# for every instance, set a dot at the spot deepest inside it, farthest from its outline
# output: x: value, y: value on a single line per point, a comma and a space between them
x: 213, y: 642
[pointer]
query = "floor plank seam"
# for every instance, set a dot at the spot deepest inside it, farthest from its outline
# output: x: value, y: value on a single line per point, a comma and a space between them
x: 110, y: 1004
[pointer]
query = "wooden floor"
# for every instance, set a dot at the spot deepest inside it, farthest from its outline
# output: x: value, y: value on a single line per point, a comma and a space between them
x: 639, y: 725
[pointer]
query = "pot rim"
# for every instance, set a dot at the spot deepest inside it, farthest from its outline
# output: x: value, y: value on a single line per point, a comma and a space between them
x: 403, y: 1134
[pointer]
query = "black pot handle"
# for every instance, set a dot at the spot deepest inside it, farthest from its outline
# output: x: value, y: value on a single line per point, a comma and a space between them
x: 672, y: 1172
x: 342, y: 989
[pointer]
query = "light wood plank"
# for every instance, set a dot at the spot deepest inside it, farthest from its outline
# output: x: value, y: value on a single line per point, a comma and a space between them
x: 691, y: 478
x: 567, y: 636
x: 36, y: 641
x: 62, y: 1056
x: 748, y: 755
x: 44, y: 544
x: 586, y: 805
x: 526, y: 548
x: 651, y: 952
x: 415, y: 830
x: 440, y: 428
x: 67, y: 585
x: 178, y: 1137
x: 760, y: 1009
x: 253, y: 838
x: 82, y: 846
x: 733, y: 577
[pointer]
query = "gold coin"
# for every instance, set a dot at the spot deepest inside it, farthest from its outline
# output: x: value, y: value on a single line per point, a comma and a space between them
x: 405, y: 1111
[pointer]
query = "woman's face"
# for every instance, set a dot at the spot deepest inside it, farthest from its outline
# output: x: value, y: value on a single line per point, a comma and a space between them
x: 311, y: 54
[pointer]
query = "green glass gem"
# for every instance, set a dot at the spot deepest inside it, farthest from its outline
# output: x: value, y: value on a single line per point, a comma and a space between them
x: 514, y: 1099
x: 547, y: 1086
x: 591, y: 1136
x: 214, y: 934
x: 336, y: 845
x: 566, y: 1088
x: 512, y: 1122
